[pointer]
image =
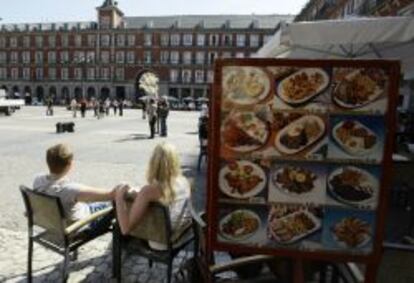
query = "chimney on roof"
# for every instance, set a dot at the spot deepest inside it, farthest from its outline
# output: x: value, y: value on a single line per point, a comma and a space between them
x: 227, y: 24
x: 255, y: 24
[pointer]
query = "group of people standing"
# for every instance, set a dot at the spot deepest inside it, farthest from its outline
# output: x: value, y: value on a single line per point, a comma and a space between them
x: 100, y: 107
x: 157, y: 112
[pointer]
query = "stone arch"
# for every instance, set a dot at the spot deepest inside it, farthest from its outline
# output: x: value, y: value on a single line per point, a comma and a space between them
x: 105, y: 93
x: 40, y: 93
x: 91, y: 92
x: 66, y: 94
x: 16, y: 91
x: 78, y: 93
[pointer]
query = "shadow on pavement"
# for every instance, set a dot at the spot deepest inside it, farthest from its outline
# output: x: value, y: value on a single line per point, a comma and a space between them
x: 133, y: 137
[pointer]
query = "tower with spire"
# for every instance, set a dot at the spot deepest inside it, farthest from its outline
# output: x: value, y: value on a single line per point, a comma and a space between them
x: 109, y: 15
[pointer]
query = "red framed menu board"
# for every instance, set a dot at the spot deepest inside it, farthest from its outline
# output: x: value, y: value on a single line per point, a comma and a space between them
x: 300, y: 155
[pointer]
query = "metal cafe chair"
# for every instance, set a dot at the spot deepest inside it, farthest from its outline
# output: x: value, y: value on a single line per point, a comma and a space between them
x: 155, y: 226
x: 56, y: 233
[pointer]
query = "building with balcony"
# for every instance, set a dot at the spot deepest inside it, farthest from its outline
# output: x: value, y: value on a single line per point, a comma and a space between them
x: 336, y: 9
x: 107, y: 57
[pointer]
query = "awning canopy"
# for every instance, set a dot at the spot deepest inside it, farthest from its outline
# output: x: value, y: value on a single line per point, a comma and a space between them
x: 385, y: 38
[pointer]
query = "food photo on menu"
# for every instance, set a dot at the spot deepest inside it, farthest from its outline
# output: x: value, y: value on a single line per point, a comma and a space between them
x: 242, y: 225
x: 356, y: 137
x: 306, y: 88
x: 296, y: 226
x: 362, y: 90
x: 245, y: 85
x: 297, y: 182
x: 348, y: 230
x: 354, y: 186
x: 242, y: 179
x: 299, y: 134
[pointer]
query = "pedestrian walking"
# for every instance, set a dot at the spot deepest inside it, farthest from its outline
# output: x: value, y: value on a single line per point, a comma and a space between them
x: 49, y: 109
x: 83, y: 107
x: 115, y: 106
x: 74, y: 106
x: 95, y: 107
x: 121, y: 107
x: 152, y: 116
x: 101, y: 109
x: 107, y: 106
x: 144, y: 110
x: 163, y: 111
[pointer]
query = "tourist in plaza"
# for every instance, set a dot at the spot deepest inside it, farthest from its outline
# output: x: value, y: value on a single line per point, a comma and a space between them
x: 121, y: 107
x: 95, y: 106
x: 78, y: 200
x: 107, y: 106
x: 163, y: 111
x: 152, y: 116
x: 83, y: 107
x: 73, y: 107
x: 49, y: 110
x: 165, y: 184
x: 144, y: 110
x: 115, y: 106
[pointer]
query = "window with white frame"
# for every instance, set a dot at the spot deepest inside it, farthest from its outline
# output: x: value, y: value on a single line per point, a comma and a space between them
x: 211, y: 57
x: 105, y: 40
x: 199, y: 76
x: 120, y: 40
x: 13, y: 41
x: 3, y: 73
x: 90, y: 57
x: 214, y: 40
x: 14, y: 73
x: 175, y: 39
x: 51, y: 57
x: 240, y: 40
x: 120, y: 57
x: 227, y: 39
x: 51, y: 40
x: 64, y: 74
x: 65, y: 40
x: 131, y: 39
x: 173, y: 75
x: 105, y: 73
x: 254, y: 40
x: 105, y: 57
x: 147, y: 57
x: 131, y: 57
x: 164, y: 57
x: 26, y: 41
x: 91, y: 74
x: 239, y: 54
x: 174, y: 57
x: 39, y: 73
x: 226, y: 54
x: 26, y: 57
x: 51, y: 73
x: 2, y: 42
x: 91, y: 40
x: 3, y: 57
x: 201, y: 39
x: 78, y: 40
x: 39, y: 41
x: 14, y: 57
x: 64, y: 57
x: 200, y: 57
x: 188, y: 39
x: 26, y: 74
x: 210, y: 76
x: 187, y: 57
x: 39, y: 57
x: 165, y: 39
x: 119, y: 74
x: 148, y: 39
x: 78, y: 74
x: 186, y: 76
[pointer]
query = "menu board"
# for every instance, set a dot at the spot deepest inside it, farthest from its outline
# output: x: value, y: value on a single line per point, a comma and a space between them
x: 298, y: 156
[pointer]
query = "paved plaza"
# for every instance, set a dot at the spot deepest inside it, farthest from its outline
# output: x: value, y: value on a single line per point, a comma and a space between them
x: 107, y: 151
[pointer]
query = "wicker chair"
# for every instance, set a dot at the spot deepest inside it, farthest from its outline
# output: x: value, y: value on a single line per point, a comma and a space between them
x: 57, y: 234
x: 155, y: 226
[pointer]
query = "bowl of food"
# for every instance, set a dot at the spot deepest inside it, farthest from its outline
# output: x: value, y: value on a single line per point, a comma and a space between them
x: 239, y: 225
x: 352, y: 232
x: 294, y: 180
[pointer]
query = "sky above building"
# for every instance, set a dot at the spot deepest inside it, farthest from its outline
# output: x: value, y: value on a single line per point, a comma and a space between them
x: 29, y: 11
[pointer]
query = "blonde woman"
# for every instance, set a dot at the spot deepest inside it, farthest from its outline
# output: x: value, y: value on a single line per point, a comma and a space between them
x: 165, y: 183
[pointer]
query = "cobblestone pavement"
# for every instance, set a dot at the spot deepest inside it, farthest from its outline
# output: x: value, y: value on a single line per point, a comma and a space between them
x: 107, y: 151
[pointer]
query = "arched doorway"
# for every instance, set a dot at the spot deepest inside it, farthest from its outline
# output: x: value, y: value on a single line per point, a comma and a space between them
x: 52, y: 93
x: 40, y: 93
x: 28, y: 95
x: 66, y: 94
x: 16, y: 92
x: 91, y: 92
x: 78, y: 93
x: 105, y: 93
x: 146, y: 83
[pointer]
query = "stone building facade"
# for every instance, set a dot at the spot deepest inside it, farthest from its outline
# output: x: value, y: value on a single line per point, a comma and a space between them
x: 107, y: 57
